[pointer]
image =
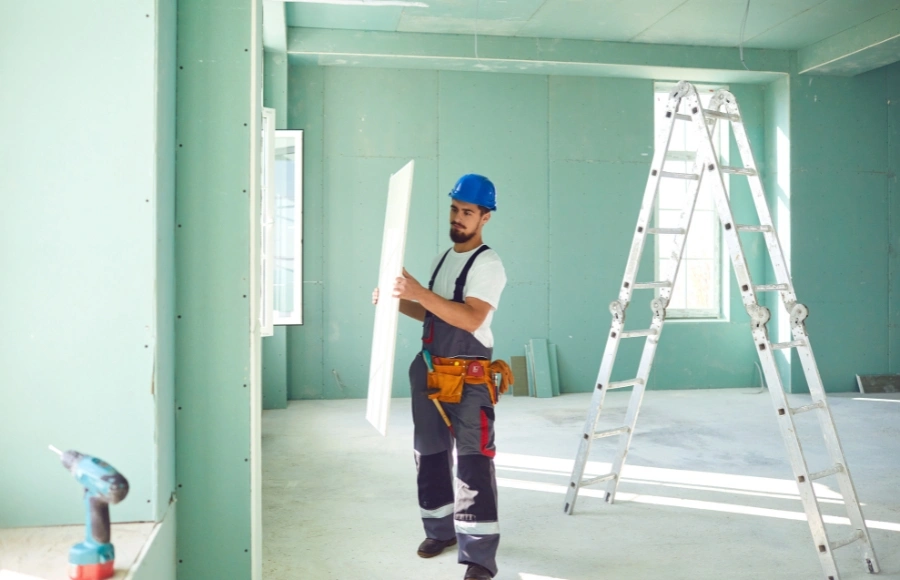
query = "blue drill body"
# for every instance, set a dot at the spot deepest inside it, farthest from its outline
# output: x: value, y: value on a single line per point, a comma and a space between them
x: 103, y: 485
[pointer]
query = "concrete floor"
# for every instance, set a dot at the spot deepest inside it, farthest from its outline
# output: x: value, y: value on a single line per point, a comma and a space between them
x: 707, y: 492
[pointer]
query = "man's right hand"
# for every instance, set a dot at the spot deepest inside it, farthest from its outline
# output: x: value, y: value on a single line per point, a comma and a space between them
x: 375, y: 295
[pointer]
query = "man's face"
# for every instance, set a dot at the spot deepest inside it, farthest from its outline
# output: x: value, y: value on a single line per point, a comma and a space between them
x: 466, y: 220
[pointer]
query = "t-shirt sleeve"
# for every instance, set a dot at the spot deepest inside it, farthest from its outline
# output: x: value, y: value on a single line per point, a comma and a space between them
x: 486, y: 281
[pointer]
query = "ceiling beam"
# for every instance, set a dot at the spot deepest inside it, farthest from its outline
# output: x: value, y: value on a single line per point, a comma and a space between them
x: 870, y: 45
x: 533, y: 55
x: 274, y: 27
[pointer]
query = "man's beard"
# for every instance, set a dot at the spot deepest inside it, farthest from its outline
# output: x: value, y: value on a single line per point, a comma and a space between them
x: 460, y: 237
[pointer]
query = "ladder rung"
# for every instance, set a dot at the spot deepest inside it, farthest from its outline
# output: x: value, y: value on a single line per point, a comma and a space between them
x: 676, y: 231
x: 611, y: 432
x: 854, y: 537
x: 683, y: 117
x: 805, y: 408
x: 639, y: 333
x: 623, y: 384
x: 673, y: 175
x: 648, y: 285
x: 738, y: 170
x: 764, y: 229
x: 770, y: 287
x: 792, y: 344
x: 718, y: 115
x: 681, y: 155
x: 598, y: 479
x: 836, y: 468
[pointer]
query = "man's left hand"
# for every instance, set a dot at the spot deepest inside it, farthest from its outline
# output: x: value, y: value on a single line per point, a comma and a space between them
x: 407, y: 287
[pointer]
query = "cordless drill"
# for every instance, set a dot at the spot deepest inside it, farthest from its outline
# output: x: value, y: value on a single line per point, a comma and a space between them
x: 94, y: 559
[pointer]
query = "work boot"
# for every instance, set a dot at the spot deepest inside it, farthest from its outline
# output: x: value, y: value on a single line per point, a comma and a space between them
x: 476, y: 572
x: 431, y: 548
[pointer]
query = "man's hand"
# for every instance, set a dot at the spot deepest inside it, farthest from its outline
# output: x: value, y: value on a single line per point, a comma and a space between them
x: 407, y: 288
x: 375, y: 295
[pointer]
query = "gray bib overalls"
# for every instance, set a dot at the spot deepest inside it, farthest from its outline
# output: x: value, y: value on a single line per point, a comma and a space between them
x: 473, y: 515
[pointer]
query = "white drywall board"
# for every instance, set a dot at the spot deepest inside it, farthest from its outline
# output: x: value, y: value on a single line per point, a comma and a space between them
x: 384, y: 340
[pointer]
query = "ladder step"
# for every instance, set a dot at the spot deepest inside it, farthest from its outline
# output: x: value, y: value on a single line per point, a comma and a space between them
x: 676, y: 231
x: 718, y: 115
x: 836, y: 468
x: 764, y: 229
x: 611, y: 432
x: 639, y: 333
x: 805, y: 408
x: 770, y: 287
x: 623, y: 384
x: 712, y: 115
x: 598, y: 479
x: 648, y: 285
x: 738, y: 170
x: 854, y: 537
x: 792, y: 344
x: 681, y: 155
x: 673, y: 175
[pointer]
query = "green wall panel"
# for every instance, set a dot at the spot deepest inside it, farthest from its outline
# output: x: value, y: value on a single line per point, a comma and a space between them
x: 159, y: 560
x: 85, y: 183
x: 893, y: 102
x: 305, y: 344
x: 275, y: 369
x: 217, y: 52
x: 839, y: 223
x: 380, y: 113
x: 164, y: 379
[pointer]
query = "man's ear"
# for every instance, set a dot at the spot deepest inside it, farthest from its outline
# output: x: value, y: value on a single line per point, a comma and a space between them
x: 486, y: 217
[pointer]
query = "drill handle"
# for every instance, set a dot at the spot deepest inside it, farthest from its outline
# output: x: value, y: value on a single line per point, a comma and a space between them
x: 98, y: 520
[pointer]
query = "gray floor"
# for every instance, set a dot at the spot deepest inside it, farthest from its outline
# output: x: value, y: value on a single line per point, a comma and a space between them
x: 707, y: 492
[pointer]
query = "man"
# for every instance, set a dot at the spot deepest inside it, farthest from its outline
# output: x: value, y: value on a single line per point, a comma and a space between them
x: 457, y: 308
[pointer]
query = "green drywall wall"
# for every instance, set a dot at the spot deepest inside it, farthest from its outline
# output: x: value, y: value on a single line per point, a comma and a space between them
x: 164, y: 378
x: 567, y: 156
x: 893, y: 103
x: 275, y: 88
x: 86, y: 188
x: 219, y: 76
x: 839, y: 223
x: 274, y: 370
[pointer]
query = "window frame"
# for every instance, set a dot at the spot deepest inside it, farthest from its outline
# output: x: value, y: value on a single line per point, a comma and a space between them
x: 719, y: 258
x: 295, y: 316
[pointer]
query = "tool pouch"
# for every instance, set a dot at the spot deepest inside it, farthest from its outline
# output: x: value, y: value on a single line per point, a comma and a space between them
x: 446, y: 383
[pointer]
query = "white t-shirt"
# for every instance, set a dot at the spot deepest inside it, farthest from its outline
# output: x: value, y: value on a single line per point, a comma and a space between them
x: 485, y: 281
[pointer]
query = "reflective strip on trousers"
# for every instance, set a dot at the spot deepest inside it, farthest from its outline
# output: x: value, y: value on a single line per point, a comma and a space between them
x: 440, y: 512
x: 477, y: 528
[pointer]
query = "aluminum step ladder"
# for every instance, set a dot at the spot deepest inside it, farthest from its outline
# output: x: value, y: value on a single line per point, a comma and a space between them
x: 723, y: 107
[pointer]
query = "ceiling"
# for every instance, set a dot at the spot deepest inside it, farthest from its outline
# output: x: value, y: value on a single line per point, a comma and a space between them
x: 771, y: 24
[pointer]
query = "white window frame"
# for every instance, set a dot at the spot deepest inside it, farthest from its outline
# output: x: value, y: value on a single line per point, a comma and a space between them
x: 267, y: 221
x: 719, y: 259
x: 294, y: 316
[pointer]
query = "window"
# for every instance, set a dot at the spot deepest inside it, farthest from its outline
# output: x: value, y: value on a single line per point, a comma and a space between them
x: 698, y: 286
x: 288, y: 251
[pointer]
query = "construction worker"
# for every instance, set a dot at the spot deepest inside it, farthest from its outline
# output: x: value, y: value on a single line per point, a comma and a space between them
x: 452, y: 396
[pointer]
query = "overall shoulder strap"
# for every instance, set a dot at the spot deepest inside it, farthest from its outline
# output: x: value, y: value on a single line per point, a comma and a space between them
x: 438, y: 269
x: 464, y: 274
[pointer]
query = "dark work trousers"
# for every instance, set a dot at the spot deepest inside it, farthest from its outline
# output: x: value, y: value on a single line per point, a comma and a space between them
x: 472, y: 513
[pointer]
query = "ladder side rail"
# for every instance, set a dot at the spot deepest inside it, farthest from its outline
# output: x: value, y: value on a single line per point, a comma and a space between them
x: 776, y: 254
x: 794, y: 448
x: 597, y: 400
x: 637, y: 396
x: 618, y: 307
x: 834, y: 447
x: 645, y: 213
x: 804, y: 348
x: 760, y: 317
x: 658, y: 306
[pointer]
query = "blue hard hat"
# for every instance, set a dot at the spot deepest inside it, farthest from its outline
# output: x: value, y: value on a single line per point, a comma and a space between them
x: 476, y: 189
